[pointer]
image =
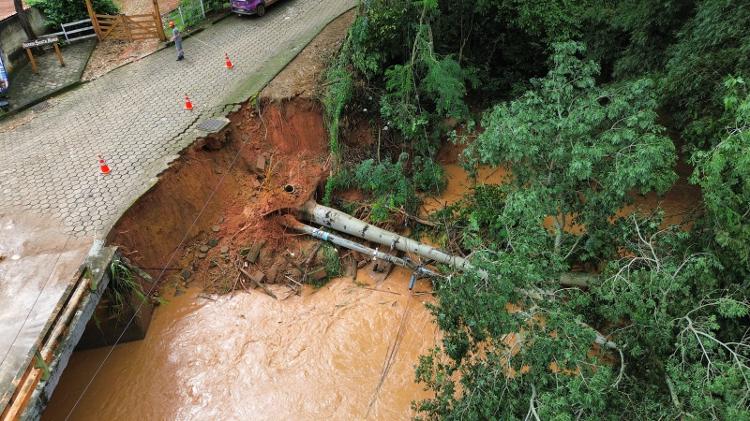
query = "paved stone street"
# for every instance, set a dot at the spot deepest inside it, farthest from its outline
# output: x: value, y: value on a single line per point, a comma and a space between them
x: 49, y: 177
x: 134, y: 117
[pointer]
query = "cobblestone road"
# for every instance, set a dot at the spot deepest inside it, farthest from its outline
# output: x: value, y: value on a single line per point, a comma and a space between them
x: 134, y: 117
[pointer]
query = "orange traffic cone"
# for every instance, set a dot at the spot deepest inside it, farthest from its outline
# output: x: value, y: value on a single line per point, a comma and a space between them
x: 228, y: 62
x: 103, y: 167
x: 188, y: 104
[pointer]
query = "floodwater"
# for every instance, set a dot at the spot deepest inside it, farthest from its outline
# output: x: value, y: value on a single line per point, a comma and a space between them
x: 459, y: 183
x: 247, y: 356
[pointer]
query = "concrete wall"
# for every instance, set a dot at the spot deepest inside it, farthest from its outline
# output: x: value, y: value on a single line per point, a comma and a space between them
x: 12, y: 36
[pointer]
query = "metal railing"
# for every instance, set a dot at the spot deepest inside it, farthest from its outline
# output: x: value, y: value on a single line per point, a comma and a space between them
x: 74, y: 31
x: 190, y: 13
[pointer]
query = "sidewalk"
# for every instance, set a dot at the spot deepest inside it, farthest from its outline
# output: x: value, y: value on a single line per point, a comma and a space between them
x: 133, y: 116
x: 29, y: 88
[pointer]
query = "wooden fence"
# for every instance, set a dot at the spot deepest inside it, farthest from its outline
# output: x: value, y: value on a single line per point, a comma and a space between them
x: 127, y: 27
x: 73, y: 31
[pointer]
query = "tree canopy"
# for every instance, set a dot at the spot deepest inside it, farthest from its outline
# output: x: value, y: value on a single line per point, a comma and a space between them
x: 577, y: 148
x: 587, y: 104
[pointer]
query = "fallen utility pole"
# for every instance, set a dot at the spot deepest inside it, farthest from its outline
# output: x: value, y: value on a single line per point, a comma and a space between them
x: 342, y: 222
x: 318, y: 233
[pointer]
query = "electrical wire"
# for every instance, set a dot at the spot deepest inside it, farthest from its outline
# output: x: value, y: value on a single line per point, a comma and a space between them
x: 158, y: 279
x: 391, y: 355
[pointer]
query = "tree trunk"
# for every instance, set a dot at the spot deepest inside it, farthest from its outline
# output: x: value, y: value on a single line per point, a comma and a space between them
x: 23, y: 19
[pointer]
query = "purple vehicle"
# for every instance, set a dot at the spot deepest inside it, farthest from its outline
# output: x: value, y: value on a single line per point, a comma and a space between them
x: 251, y: 7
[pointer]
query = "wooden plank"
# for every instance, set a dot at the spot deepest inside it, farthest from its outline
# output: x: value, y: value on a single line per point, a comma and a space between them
x: 144, y: 36
x: 126, y: 24
x: 158, y: 22
x: 144, y: 33
x: 144, y: 25
x: 111, y: 28
x: 32, y: 60
x: 94, y: 20
x: 59, y: 55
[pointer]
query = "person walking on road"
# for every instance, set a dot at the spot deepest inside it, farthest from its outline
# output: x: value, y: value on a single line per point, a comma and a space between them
x: 177, y: 38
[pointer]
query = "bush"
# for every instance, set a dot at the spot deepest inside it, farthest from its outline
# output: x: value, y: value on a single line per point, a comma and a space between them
x: 63, y: 11
x: 388, y: 184
x: 428, y: 175
x: 331, y: 264
x: 337, y: 95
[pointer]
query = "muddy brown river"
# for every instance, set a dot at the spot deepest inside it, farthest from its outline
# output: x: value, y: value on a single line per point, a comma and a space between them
x: 247, y: 356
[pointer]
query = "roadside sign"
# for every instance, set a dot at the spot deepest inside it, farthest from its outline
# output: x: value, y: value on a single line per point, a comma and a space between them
x: 40, y: 42
x: 4, y: 82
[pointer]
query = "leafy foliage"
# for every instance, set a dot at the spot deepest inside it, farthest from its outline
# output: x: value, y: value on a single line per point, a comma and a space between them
x: 687, y: 356
x: 428, y: 175
x: 57, y: 12
x: 723, y: 172
x: 388, y: 184
x: 331, y: 264
x: 123, y: 285
x: 712, y: 45
x: 581, y: 132
x: 577, y: 149
x: 509, y: 354
x: 336, y: 97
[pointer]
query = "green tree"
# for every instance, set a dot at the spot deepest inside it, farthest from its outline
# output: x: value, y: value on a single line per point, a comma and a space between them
x: 723, y: 173
x: 576, y: 150
x: 682, y: 327
x: 713, y: 44
x: 57, y: 12
x: 515, y: 346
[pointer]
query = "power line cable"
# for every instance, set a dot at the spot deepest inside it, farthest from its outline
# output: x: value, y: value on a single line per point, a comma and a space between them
x: 158, y: 279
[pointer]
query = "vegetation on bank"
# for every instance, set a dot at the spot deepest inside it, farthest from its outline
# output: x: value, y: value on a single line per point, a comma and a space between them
x: 589, y: 103
x: 57, y: 12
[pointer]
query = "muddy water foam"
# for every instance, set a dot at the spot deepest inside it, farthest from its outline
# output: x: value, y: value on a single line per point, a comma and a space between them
x: 247, y: 356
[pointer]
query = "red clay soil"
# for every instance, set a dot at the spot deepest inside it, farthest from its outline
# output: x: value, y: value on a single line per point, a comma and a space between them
x: 241, y: 180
